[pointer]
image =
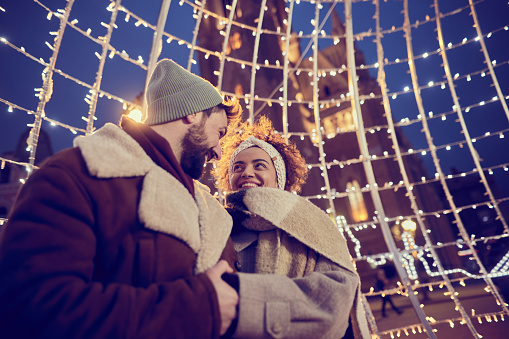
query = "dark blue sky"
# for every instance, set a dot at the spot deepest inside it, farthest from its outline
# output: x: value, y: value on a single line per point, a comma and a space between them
x: 24, y: 24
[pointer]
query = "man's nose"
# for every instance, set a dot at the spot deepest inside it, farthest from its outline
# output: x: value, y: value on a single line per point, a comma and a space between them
x: 216, y: 153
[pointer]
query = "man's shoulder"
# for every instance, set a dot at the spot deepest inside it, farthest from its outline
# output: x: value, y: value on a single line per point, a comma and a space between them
x: 69, y: 157
x: 67, y: 162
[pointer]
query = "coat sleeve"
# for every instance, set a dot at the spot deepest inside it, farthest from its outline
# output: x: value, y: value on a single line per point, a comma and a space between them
x: 315, y: 306
x: 47, y: 253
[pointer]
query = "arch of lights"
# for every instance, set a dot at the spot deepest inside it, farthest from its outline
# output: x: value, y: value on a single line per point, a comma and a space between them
x: 404, y: 258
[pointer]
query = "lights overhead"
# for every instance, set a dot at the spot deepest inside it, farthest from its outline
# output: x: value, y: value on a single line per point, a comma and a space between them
x: 410, y: 117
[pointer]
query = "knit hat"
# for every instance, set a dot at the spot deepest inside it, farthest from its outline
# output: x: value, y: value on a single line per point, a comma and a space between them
x: 276, y: 157
x: 173, y: 93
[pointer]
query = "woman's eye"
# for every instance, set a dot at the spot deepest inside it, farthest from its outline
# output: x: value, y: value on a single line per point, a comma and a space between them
x: 260, y: 165
x: 237, y: 169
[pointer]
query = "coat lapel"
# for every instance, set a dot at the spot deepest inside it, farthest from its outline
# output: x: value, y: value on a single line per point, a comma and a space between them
x: 299, y: 218
x: 165, y: 204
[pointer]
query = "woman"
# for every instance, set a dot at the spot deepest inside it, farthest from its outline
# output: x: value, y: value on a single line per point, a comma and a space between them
x: 311, y: 289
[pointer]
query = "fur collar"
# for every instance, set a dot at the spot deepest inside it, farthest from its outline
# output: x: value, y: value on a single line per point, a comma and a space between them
x: 265, y: 209
x: 165, y: 204
x: 268, y: 208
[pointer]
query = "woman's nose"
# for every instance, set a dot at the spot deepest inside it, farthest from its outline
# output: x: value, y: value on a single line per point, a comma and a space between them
x: 247, y: 173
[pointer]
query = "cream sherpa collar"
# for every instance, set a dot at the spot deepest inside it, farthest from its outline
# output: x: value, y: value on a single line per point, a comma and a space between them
x: 267, y: 208
x: 165, y: 204
x: 271, y: 207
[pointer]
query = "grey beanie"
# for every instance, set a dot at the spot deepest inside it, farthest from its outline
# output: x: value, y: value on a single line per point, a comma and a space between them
x: 173, y: 93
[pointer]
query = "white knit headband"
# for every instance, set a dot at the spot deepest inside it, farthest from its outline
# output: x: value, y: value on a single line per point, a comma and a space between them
x: 279, y: 164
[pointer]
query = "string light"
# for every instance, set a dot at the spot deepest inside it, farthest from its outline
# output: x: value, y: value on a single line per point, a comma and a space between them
x: 352, y: 231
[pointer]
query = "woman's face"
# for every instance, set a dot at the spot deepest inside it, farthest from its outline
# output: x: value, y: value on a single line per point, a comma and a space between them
x: 253, y: 167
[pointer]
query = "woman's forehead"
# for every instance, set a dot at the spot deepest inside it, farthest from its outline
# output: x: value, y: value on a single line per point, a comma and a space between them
x: 251, y: 153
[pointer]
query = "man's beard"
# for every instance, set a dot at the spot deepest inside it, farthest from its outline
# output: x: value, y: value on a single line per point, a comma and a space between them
x: 194, y: 150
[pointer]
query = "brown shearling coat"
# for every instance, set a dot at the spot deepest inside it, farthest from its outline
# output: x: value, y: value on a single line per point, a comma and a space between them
x: 103, y: 243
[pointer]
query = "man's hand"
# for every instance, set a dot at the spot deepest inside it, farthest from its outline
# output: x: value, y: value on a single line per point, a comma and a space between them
x: 227, y: 297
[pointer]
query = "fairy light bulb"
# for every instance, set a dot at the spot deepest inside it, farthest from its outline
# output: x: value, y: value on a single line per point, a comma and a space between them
x: 409, y: 225
x: 135, y: 114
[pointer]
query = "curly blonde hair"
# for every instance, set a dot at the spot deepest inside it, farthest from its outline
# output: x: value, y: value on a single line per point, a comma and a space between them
x: 295, y: 165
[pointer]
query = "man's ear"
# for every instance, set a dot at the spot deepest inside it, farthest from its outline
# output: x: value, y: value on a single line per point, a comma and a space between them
x: 191, y: 118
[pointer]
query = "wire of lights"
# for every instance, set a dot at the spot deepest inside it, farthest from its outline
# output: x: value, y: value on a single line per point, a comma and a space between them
x: 3, y: 161
x: 403, y: 122
x: 418, y: 98
x: 52, y: 122
x: 489, y: 63
x: 67, y: 76
x: 102, y: 59
x: 156, y: 48
x: 463, y: 124
x: 316, y: 111
x: 430, y: 142
x: 416, y: 328
x: 489, y: 317
x: 358, y: 36
x: 72, y: 24
x: 422, y: 151
x: 411, y: 196
x: 380, y: 258
x: 133, y: 15
x: 295, y: 70
x: 192, y: 48
x: 433, y: 152
x: 331, y: 210
x: 286, y: 62
x: 462, y: 229
x: 369, y: 315
x: 225, y: 44
x: 502, y: 265
x: 363, y: 225
x: 47, y: 88
x: 255, y: 56
x: 361, y: 137
x: 124, y: 55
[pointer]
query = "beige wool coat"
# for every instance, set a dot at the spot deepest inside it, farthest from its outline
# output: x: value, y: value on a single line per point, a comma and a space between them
x: 310, y: 288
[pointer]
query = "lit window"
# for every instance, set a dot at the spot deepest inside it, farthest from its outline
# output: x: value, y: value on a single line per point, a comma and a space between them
x: 357, y: 205
x: 234, y: 42
x: 339, y: 121
x: 238, y: 90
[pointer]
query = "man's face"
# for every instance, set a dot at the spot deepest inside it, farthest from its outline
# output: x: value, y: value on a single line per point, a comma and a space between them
x: 201, y: 143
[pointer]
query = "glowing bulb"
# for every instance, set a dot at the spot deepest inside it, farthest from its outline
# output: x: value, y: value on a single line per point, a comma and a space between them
x: 409, y: 225
x: 135, y: 114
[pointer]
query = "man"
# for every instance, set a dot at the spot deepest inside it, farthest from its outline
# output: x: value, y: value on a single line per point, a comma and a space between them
x: 114, y: 239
